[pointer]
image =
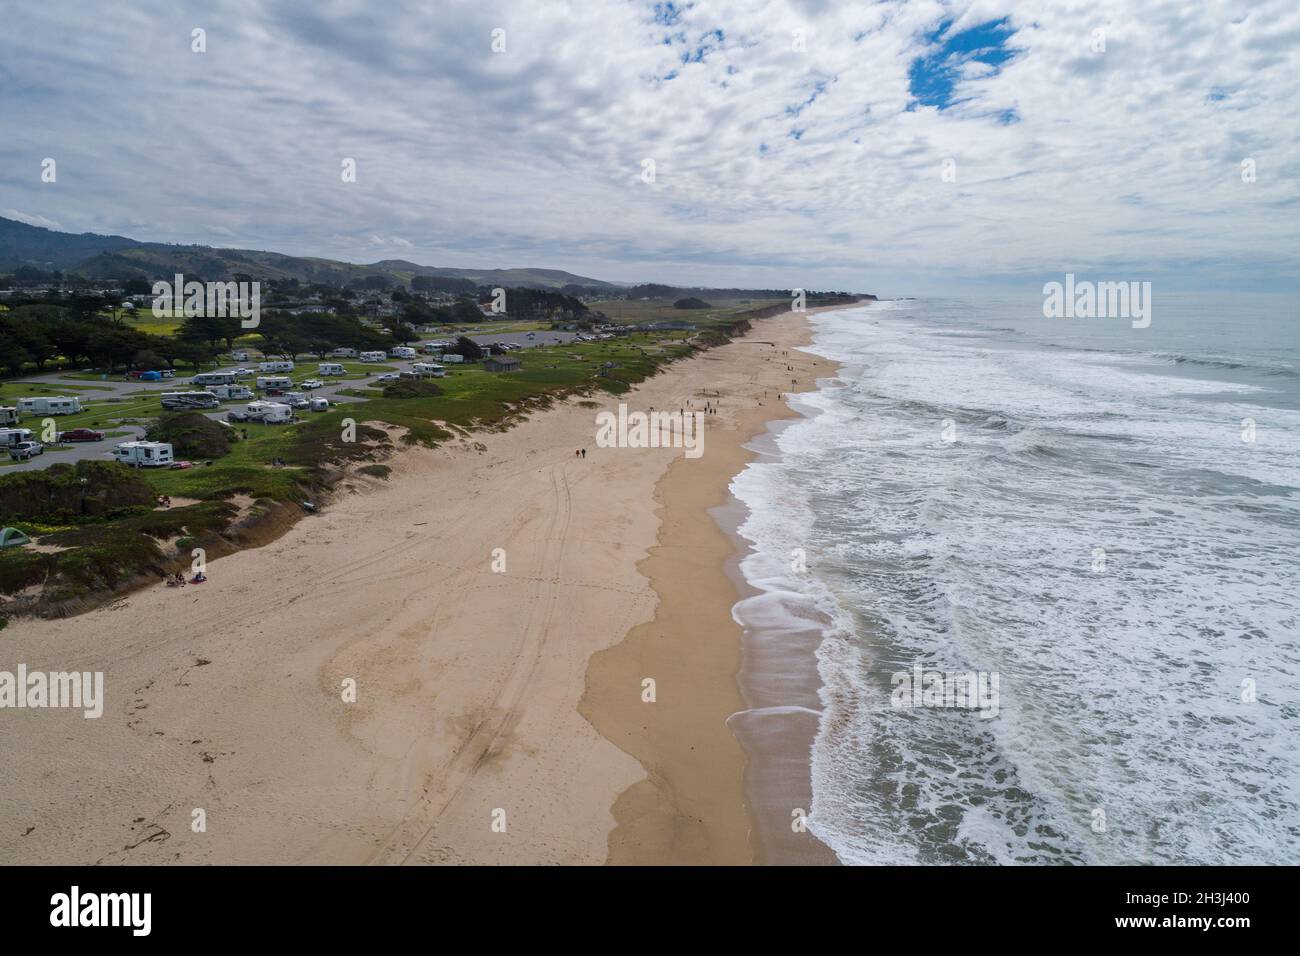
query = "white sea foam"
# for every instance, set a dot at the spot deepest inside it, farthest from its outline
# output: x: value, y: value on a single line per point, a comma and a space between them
x: 1122, y: 688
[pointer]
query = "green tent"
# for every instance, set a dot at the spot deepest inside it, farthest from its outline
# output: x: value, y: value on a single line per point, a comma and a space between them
x: 12, y: 538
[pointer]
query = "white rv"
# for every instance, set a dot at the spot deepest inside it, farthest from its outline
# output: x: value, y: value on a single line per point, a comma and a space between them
x: 401, y: 352
x: 272, y: 413
x: 239, y: 356
x: 344, y: 353
x: 274, y: 381
x: 12, y: 436
x: 330, y: 368
x: 8, y: 415
x: 428, y: 370
x: 203, y: 379
x: 275, y: 367
x: 174, y: 400
x: 452, y: 358
x: 49, y: 405
x: 232, y: 393
x: 373, y: 356
x: 144, y: 454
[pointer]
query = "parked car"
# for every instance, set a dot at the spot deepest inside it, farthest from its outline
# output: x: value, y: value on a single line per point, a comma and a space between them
x: 26, y: 450
x: 389, y: 377
x: 237, y: 415
x: 80, y: 434
x: 311, y: 383
x: 244, y: 373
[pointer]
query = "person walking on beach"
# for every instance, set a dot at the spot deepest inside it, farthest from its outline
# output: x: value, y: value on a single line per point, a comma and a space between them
x: 584, y: 453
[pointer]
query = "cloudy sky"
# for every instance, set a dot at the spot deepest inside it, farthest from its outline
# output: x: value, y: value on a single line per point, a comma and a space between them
x: 898, y: 147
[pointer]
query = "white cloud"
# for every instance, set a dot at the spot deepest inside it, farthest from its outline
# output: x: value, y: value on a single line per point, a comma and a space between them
x: 1119, y: 161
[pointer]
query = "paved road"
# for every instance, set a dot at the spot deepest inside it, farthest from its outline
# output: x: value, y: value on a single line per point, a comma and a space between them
x: 118, y: 387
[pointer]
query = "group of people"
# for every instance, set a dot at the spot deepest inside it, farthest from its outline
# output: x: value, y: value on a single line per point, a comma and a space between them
x: 164, y: 501
x: 580, y: 453
x: 177, y: 580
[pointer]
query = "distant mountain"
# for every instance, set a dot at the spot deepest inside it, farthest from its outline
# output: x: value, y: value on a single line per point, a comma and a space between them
x: 117, y: 257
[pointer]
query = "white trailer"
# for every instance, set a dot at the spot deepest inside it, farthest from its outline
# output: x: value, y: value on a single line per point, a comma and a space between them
x: 232, y: 393
x: 275, y: 367
x: 274, y: 381
x: 174, y: 400
x: 402, y: 352
x: 144, y: 454
x: 272, y: 413
x: 344, y: 353
x: 12, y: 436
x: 49, y: 405
x: 204, y: 379
x: 8, y: 415
x: 428, y: 370
x: 330, y: 368
x: 452, y: 358
x: 373, y: 356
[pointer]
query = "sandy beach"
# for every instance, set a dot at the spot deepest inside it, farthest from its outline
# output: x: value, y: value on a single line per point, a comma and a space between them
x: 497, y: 604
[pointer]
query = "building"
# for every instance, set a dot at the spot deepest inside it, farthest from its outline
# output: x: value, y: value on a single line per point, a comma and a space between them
x: 501, y: 363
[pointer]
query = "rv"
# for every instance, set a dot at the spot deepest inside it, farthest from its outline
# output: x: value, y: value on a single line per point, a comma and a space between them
x: 144, y: 454
x: 8, y: 415
x: 213, y: 378
x: 272, y: 413
x: 435, y: 348
x: 12, y: 436
x: 275, y: 367
x: 174, y: 400
x: 428, y: 370
x: 274, y: 381
x: 232, y: 393
x: 401, y: 352
x: 373, y: 356
x: 50, y: 405
x: 452, y: 358
x: 344, y: 353
x: 239, y: 356
x: 320, y: 405
x: 330, y: 368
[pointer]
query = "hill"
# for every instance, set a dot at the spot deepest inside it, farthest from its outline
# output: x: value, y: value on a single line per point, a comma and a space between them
x: 117, y: 257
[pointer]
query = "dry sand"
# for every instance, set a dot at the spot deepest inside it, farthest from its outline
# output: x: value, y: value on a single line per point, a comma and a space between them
x: 466, y: 743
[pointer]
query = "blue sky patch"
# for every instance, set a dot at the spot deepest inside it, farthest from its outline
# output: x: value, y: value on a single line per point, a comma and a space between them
x: 933, y: 77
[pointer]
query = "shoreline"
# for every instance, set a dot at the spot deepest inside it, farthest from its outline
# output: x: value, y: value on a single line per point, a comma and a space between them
x: 699, y: 770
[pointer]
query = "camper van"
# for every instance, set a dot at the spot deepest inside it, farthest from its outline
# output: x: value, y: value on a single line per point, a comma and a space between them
x: 144, y: 454
x: 428, y: 370
x: 373, y: 356
x: 401, y: 352
x: 320, y: 405
x: 232, y: 393
x: 12, y: 436
x: 49, y: 405
x: 272, y: 413
x: 174, y: 400
x: 203, y: 379
x: 435, y: 348
x: 452, y: 358
x: 344, y: 353
x: 274, y: 381
x: 275, y: 367
x: 8, y: 415
x: 330, y: 368
x: 239, y: 356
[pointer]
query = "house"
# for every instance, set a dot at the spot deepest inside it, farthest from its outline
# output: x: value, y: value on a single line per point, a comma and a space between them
x: 501, y: 363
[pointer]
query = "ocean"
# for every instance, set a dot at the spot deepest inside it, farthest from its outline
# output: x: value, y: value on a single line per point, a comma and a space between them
x: 1103, y: 519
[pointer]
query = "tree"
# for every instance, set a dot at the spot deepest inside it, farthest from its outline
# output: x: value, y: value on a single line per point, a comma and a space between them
x: 470, y: 349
